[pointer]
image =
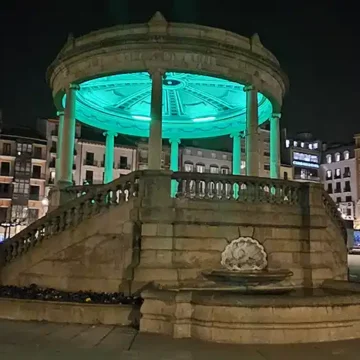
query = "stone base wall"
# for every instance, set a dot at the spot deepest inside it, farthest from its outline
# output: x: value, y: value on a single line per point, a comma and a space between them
x: 60, y: 312
x: 193, y: 233
x: 95, y: 255
x: 220, y: 317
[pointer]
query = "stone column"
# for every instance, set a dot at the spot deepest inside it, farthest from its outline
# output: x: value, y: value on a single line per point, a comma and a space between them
x: 60, y: 114
x: 252, y: 137
x: 109, y: 156
x: 68, y: 138
x: 275, y: 146
x: 174, y: 163
x: 155, y: 136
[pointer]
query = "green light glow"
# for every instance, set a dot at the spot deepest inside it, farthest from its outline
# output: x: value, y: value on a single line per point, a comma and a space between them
x: 194, y: 106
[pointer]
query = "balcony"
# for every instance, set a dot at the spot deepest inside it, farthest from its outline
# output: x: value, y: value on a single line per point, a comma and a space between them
x: 347, y: 189
x: 6, y: 173
x: 123, y: 166
x: 39, y: 155
x: 36, y: 175
x: 5, y: 194
x: 35, y: 197
x: 8, y: 152
x: 88, y: 162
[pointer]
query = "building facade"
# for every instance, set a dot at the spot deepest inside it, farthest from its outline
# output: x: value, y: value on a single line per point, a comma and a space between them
x: 303, y: 154
x: 23, y: 164
x: 338, y: 174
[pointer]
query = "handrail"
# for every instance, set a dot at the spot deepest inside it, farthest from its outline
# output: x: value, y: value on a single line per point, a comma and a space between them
x: 236, y: 188
x: 71, y: 214
x: 333, y: 212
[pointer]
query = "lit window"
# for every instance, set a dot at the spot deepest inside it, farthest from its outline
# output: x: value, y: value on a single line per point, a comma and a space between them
x: 188, y: 167
x: 287, y: 143
x: 337, y: 157
x: 295, y: 143
x: 328, y: 159
x: 337, y: 172
x: 328, y: 174
x: 200, y: 168
x: 225, y: 170
x: 310, y: 146
x: 199, y: 153
x: 214, y: 169
x: 243, y: 164
x: 213, y: 155
x: 346, y: 155
x: 315, y: 145
x: 302, y: 144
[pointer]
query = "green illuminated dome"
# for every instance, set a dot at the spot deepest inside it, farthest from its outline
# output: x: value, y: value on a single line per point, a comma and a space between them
x: 205, y: 68
x: 194, y: 106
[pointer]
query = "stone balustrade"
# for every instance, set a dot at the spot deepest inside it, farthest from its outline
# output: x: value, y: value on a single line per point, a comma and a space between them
x: 71, y: 214
x: 236, y: 188
x: 80, y: 190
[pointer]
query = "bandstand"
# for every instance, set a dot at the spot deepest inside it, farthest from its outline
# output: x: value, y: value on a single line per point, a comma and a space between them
x: 167, y: 81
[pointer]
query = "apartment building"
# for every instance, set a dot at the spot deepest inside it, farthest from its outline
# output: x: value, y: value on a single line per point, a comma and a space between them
x: 23, y: 155
x: 338, y: 174
x: 303, y: 154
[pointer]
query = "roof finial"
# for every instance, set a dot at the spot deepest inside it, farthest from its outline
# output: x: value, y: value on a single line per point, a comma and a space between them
x: 158, y: 18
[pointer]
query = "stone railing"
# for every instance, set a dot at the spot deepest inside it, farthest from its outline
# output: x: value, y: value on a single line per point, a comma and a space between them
x: 236, y: 188
x: 71, y: 214
x: 80, y: 190
x: 332, y: 210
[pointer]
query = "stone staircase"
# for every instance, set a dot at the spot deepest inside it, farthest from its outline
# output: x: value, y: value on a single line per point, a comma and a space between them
x: 125, y: 234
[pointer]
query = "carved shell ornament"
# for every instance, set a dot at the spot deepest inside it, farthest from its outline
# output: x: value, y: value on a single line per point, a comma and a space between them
x: 244, y: 254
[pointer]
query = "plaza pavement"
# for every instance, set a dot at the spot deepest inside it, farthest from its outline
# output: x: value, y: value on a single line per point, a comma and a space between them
x: 40, y: 341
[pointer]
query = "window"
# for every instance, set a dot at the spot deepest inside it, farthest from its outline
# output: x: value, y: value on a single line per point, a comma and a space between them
x: 5, y: 169
x: 328, y: 174
x: 302, y: 144
x: 346, y: 155
x: 89, y: 159
x: 287, y: 143
x: 189, y: 167
x: 295, y: 143
x: 199, y: 153
x: 267, y: 167
x: 347, y: 186
x: 33, y: 215
x: 225, y: 170
x: 5, y: 190
x: 23, y: 167
x: 187, y: 151
x: 224, y: 157
x: 52, y: 177
x: 337, y: 174
x: 214, y: 169
x: 348, y: 198
x: 89, y: 175
x: 348, y: 212
x: 213, y: 155
x: 123, y: 162
x: 337, y: 157
x: 3, y: 214
x: 6, y: 149
x: 338, y: 199
x: 328, y: 159
x: 285, y: 175
x: 330, y: 189
x: 34, y: 192
x: 36, y: 172
x: 37, y: 152
x: 21, y: 186
x: 315, y: 145
x: 347, y: 171
x: 243, y: 164
x: 200, y: 168
x: 338, y: 187
x: 23, y: 148
x: 19, y: 213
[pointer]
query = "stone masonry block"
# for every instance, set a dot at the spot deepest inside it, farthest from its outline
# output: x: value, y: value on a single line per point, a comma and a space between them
x: 198, y: 244
x: 246, y: 231
x: 149, y: 229
x: 206, y: 231
x: 156, y: 243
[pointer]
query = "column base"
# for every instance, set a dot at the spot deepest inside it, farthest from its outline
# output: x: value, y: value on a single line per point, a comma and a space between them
x: 58, y: 196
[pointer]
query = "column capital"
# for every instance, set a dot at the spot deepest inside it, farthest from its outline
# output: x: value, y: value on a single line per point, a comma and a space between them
x: 174, y: 140
x: 154, y: 71
x: 60, y: 113
x: 276, y: 116
x: 235, y: 134
x: 74, y: 86
x: 110, y: 133
x: 249, y: 88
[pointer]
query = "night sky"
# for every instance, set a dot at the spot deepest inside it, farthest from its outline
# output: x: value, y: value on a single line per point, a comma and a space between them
x: 317, y: 46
